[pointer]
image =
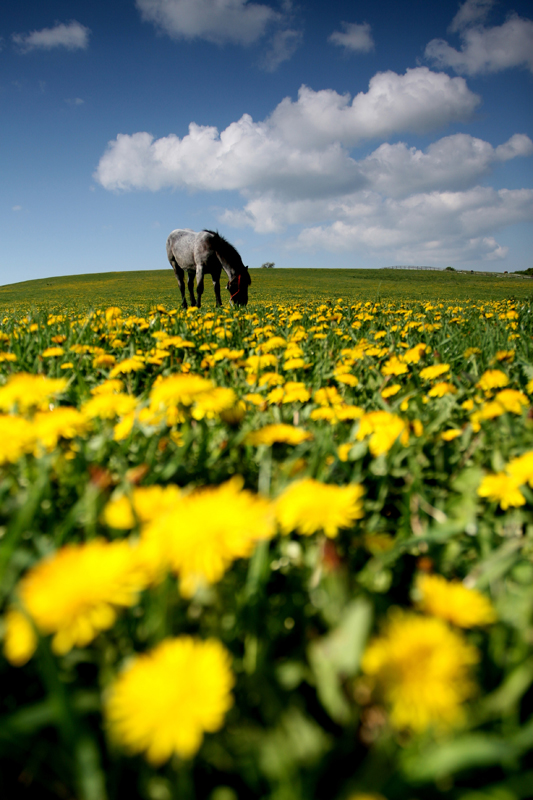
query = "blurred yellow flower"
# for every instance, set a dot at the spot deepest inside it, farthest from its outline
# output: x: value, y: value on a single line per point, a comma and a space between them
x: 521, y: 468
x: 50, y: 352
x: 441, y: 389
x: 212, y: 403
x: 104, y: 360
x: 422, y: 669
x: 309, y: 506
x: 512, y: 400
x: 178, y: 390
x: 492, y: 379
x: 60, y: 423
x: 434, y: 371
x: 278, y: 433
x: 20, y: 640
x: 133, y: 364
x: 202, y: 533
x: 144, y: 503
x: 503, y: 489
x: 451, y: 434
x: 24, y: 392
x: 390, y: 391
x: 17, y: 436
x: 166, y: 699
x: 384, y: 429
x: 108, y: 405
x: 394, y: 367
x: 454, y: 602
x: 74, y: 594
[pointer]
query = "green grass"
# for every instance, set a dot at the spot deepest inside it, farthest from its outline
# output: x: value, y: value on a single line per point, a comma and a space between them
x: 149, y: 287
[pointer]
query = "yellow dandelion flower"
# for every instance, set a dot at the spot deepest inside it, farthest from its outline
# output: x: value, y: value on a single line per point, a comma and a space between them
x: 144, y: 504
x: 178, y: 390
x: 25, y: 392
x: 423, y: 670
x: 211, y: 404
x: 347, y: 378
x: 394, y: 367
x: 441, y: 389
x: 384, y: 429
x: 309, y: 506
x: 202, y: 533
x: 255, y: 363
x: 74, y: 594
x: 194, y: 682
x: 414, y: 354
x: 503, y: 489
x: 254, y: 398
x: 471, y: 351
x: 112, y: 314
x: 108, y: 387
x: 450, y: 434
x: 17, y: 437
x: 8, y: 357
x: 108, y: 405
x: 529, y: 387
x: 104, y: 360
x: 434, y: 371
x: 454, y: 602
x: 390, y: 391
x: 278, y: 433
x: 50, y: 352
x: 20, y: 641
x: 60, y: 423
x: 271, y: 379
x: 274, y: 343
x: 492, y: 379
x: 521, y: 468
x: 133, y: 364
x: 512, y: 400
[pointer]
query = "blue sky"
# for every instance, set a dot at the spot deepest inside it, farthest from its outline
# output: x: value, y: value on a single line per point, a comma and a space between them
x: 343, y: 134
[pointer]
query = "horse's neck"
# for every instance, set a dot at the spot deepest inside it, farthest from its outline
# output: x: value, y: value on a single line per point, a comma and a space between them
x: 230, y: 271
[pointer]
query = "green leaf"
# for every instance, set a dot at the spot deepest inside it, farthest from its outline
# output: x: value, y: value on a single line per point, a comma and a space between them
x: 337, y: 656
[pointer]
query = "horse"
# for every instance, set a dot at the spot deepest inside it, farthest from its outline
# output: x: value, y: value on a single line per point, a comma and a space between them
x: 209, y: 253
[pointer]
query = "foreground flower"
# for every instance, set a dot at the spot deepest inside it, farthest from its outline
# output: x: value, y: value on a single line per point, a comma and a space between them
x: 492, y: 379
x: 75, y: 593
x: 503, y: 489
x: 422, y: 669
x: 454, y: 602
x: 24, y: 392
x: 309, y: 506
x: 145, y: 503
x: 169, y: 697
x: 278, y: 433
x: 202, y: 533
x: 20, y: 641
x: 384, y: 429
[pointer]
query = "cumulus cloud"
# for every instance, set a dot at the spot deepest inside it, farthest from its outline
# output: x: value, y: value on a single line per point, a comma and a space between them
x: 300, y: 146
x: 218, y: 21
x: 298, y: 167
x: 354, y: 38
x: 425, y: 228
x: 484, y: 50
x: 73, y: 36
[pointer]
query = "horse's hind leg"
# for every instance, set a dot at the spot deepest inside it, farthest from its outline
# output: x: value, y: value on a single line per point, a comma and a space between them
x: 190, y: 284
x: 178, y: 272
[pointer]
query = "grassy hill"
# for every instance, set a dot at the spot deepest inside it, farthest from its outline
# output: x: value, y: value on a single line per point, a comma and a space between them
x: 142, y: 289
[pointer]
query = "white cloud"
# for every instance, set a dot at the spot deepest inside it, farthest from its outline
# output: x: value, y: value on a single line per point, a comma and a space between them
x: 419, y: 101
x: 283, y: 45
x: 486, y: 50
x: 74, y: 101
x: 298, y: 149
x: 470, y: 12
x: 355, y: 38
x: 297, y: 168
x: 17, y: 208
x: 73, y: 36
x: 218, y: 21
x: 425, y: 228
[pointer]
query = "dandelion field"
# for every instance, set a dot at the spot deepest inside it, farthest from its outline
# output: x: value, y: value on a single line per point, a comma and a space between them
x: 279, y: 552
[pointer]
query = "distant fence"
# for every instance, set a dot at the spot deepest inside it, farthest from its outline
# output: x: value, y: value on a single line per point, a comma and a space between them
x: 439, y: 269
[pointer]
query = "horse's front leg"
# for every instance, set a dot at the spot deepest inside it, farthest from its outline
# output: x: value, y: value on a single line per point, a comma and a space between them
x: 216, y: 287
x: 190, y: 283
x: 199, y: 285
x: 178, y: 272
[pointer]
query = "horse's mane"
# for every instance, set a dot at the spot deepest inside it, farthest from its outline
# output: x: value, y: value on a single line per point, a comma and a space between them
x: 226, y: 250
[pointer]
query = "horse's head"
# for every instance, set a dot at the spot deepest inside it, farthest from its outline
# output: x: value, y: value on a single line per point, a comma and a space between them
x: 238, y: 287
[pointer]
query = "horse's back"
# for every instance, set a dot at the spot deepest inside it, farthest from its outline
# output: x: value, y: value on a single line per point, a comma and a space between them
x: 180, y: 247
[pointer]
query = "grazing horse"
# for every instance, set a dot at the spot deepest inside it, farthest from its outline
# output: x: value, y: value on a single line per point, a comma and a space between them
x: 207, y: 252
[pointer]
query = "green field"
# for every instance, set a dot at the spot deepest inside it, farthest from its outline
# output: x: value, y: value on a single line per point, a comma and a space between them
x: 150, y: 287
